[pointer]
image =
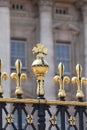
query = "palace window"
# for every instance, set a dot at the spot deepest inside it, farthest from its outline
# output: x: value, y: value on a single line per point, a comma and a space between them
x: 63, y: 11
x: 17, y: 6
x: 63, y: 54
x: 18, y: 51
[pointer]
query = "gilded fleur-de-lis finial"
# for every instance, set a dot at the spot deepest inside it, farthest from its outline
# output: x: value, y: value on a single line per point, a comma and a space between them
x: 18, y: 76
x: 40, y: 68
x: 79, y: 81
x: 61, y: 79
x: 40, y: 51
x: 3, y: 76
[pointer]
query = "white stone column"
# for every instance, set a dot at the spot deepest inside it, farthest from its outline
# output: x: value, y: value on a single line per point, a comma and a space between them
x: 46, y: 37
x: 84, y: 11
x: 5, y: 45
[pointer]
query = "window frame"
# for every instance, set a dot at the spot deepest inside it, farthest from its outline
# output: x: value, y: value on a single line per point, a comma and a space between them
x: 62, y: 10
x: 19, y: 42
x: 56, y: 65
x: 17, y: 6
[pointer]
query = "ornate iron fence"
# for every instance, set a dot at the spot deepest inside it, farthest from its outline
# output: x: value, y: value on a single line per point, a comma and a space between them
x: 42, y: 114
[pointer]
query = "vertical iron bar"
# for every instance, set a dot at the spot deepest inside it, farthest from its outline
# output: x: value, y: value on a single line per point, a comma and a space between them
x: 19, y: 112
x: 62, y: 110
x: 1, y: 115
x: 41, y: 117
x: 62, y: 116
x: 81, y: 126
x: 80, y: 111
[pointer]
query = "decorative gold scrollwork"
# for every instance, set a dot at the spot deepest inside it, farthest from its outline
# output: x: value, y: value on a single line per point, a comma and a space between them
x: 10, y: 118
x: 53, y: 120
x: 72, y: 121
x: 29, y: 119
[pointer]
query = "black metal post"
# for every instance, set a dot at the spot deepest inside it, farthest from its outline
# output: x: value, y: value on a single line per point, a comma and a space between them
x: 81, y: 126
x: 80, y: 111
x: 62, y: 114
x: 62, y: 117
x: 1, y: 116
x: 41, y: 117
x: 19, y: 112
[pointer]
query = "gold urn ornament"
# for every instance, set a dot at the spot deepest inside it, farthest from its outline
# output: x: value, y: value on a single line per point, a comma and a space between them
x: 40, y: 67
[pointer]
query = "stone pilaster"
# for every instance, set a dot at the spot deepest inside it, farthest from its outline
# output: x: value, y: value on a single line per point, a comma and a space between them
x: 84, y: 12
x: 46, y: 37
x: 5, y: 43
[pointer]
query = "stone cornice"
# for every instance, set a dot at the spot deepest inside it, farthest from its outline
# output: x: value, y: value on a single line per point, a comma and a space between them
x: 66, y: 1
x: 81, y: 4
x: 4, y: 3
x: 45, y: 2
x: 45, y: 5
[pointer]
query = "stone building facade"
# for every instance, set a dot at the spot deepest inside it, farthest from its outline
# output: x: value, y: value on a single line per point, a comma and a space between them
x: 61, y: 25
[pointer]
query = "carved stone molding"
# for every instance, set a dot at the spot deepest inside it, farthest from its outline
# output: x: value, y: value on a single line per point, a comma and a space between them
x: 45, y: 5
x: 5, y: 3
x: 84, y: 11
x: 45, y: 2
x: 65, y: 26
x: 81, y: 5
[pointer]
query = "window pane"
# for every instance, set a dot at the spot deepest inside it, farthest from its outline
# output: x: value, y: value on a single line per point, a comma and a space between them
x: 63, y: 55
x: 18, y: 51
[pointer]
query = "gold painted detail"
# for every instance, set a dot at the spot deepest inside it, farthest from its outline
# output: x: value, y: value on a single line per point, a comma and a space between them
x: 29, y: 119
x: 53, y: 120
x: 10, y: 118
x: 40, y: 51
x: 18, y: 76
x: 44, y: 101
x: 79, y: 81
x: 40, y: 67
x: 72, y: 121
x: 3, y: 76
x: 61, y: 79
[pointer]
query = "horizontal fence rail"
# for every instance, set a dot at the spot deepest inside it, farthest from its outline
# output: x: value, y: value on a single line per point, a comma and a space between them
x: 43, y: 101
x: 41, y: 114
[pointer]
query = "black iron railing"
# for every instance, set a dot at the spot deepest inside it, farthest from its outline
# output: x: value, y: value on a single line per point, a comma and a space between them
x: 42, y: 114
x: 31, y: 114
